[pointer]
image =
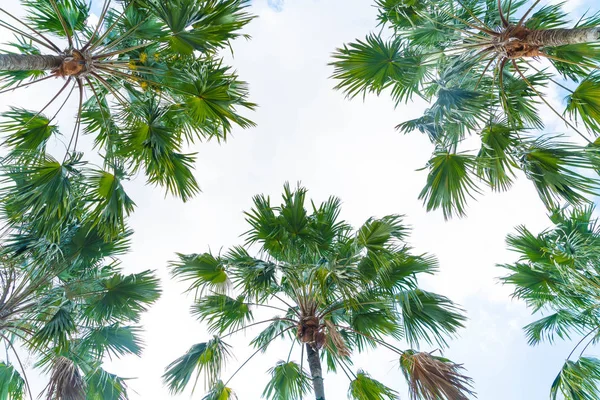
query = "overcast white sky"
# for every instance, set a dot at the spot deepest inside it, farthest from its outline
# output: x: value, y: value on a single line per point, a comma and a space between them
x: 307, y: 132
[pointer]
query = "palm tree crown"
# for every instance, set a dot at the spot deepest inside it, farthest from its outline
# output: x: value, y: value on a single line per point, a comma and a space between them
x: 154, y: 82
x: 484, y: 66
x: 558, y: 275
x: 332, y: 290
x: 70, y: 305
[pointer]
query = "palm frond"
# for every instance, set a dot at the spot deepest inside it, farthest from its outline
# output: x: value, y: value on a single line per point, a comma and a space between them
x: 550, y: 16
x: 584, y: 103
x: 363, y: 387
x: 220, y: 392
x: 578, y: 380
x: 102, y: 385
x: 496, y: 160
x: 201, y: 26
x: 450, y: 183
x: 277, y: 328
x: 66, y: 382
x: 208, y: 358
x: 112, y: 204
x: 222, y: 313
x: 56, y: 331
x: 288, y: 382
x: 552, y: 166
x: 434, y: 378
x: 562, y: 324
x: 204, y: 271
x: 428, y: 316
x: 123, y: 297
x: 43, y: 17
x: 27, y: 130
x: 112, y: 340
x: 12, y: 385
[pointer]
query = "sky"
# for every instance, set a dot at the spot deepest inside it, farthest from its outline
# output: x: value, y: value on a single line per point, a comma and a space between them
x: 309, y: 133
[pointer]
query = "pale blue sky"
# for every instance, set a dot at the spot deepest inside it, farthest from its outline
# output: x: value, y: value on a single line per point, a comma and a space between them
x: 308, y: 132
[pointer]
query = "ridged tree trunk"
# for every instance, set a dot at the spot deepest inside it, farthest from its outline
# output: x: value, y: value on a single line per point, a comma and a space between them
x: 26, y: 62
x: 314, y: 363
x: 560, y: 37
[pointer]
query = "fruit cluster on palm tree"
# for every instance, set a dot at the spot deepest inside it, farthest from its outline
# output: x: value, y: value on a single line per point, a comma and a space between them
x: 69, y: 305
x: 558, y: 275
x: 154, y: 82
x: 485, y: 67
x: 332, y: 291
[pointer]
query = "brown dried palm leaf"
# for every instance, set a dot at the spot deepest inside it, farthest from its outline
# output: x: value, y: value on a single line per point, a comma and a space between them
x: 336, y: 339
x: 434, y: 378
x: 66, y: 382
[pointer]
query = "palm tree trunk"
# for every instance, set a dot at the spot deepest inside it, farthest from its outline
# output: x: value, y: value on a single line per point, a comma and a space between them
x: 314, y: 362
x: 27, y: 62
x: 560, y: 37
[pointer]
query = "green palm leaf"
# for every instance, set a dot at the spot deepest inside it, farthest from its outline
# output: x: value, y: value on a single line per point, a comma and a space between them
x: 12, y: 385
x: 449, y: 183
x: 44, y: 18
x: 56, y: 330
x: 123, y: 297
x: 223, y: 313
x: 102, y: 385
x: 428, y: 316
x: 578, y: 380
x: 220, y: 392
x: 200, y: 25
x: 288, y: 382
x: 112, y: 204
x: 205, y: 271
x: 208, y: 358
x: 27, y: 131
x: 112, y: 340
x: 496, y: 160
x: 276, y: 328
x: 552, y: 165
x: 364, y: 387
x: 584, y: 102
x: 562, y: 324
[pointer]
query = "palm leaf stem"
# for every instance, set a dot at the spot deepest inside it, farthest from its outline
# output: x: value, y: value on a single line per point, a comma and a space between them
x: 20, y: 364
x: 62, y: 22
x: 51, y: 43
x: 255, y: 353
x: 105, y: 8
x: 27, y: 84
x: 516, y: 66
x: 524, y: 17
x: 13, y: 29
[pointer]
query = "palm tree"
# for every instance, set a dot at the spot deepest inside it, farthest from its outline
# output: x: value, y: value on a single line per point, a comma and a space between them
x: 332, y: 290
x: 484, y: 66
x: 69, y: 304
x: 153, y: 77
x: 558, y: 275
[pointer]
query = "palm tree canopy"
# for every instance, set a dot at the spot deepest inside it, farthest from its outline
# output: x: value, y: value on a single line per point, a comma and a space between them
x: 70, y: 304
x: 329, y: 287
x: 155, y: 83
x: 484, y: 66
x: 557, y: 275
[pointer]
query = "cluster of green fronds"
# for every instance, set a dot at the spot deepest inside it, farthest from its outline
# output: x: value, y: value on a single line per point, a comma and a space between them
x: 70, y: 305
x: 558, y: 275
x: 360, y: 284
x: 447, y: 54
x: 158, y: 84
